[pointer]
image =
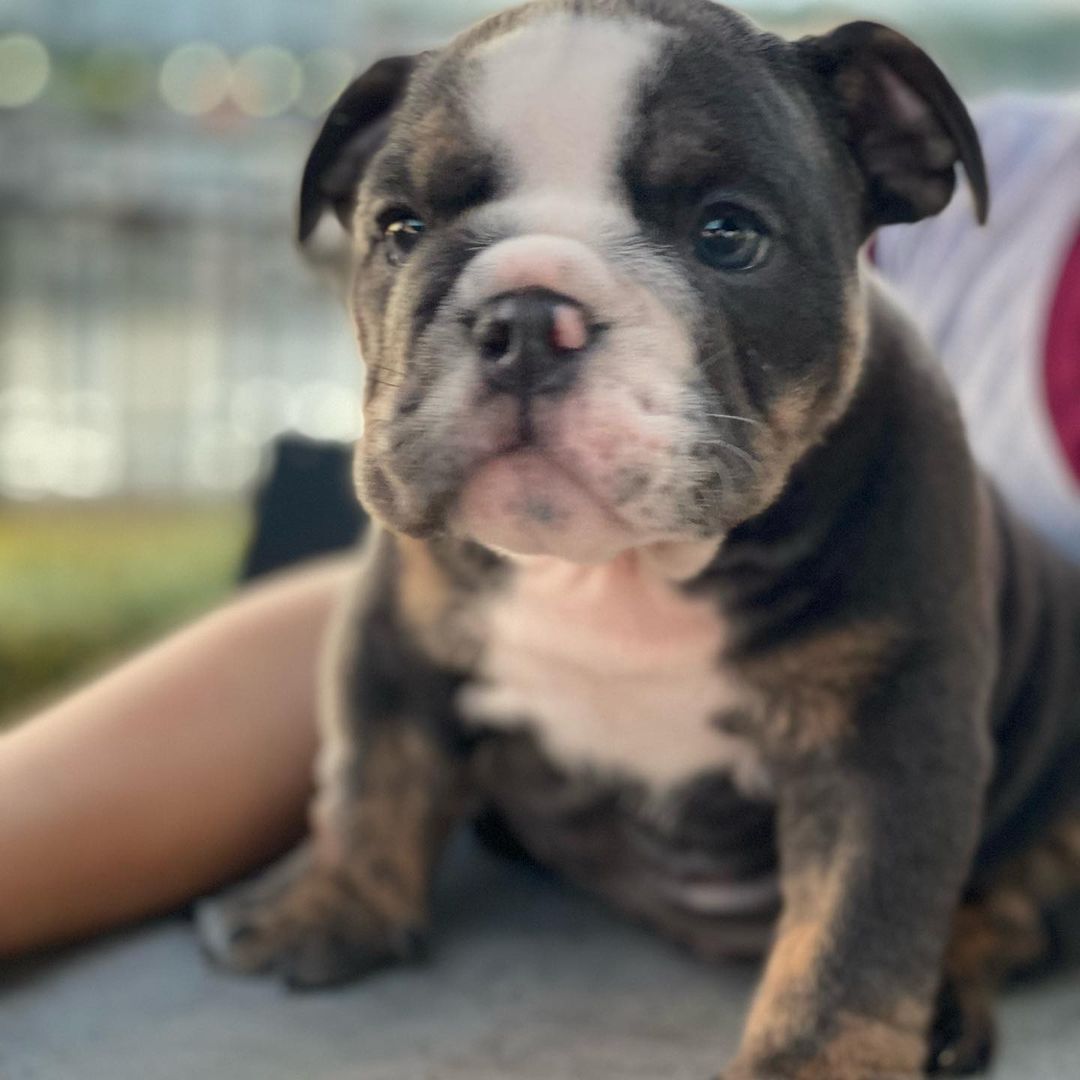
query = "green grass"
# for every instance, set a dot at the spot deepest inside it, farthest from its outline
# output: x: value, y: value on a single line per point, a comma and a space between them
x: 80, y: 586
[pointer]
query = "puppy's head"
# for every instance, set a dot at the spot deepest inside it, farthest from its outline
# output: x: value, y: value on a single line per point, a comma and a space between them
x: 606, y: 252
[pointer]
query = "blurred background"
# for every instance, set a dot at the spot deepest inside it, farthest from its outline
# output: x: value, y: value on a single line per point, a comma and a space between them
x: 157, y: 328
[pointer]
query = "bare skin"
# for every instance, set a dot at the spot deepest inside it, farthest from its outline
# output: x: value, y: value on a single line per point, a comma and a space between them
x: 187, y: 766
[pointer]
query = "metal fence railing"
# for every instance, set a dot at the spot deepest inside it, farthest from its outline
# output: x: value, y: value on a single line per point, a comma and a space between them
x: 148, y: 348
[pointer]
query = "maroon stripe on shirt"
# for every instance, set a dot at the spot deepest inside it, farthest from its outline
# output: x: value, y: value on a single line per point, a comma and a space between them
x: 1063, y: 359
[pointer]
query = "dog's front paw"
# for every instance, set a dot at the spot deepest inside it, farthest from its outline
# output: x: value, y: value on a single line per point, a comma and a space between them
x: 310, y: 924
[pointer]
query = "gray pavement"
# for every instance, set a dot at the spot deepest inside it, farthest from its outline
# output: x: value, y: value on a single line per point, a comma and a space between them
x: 528, y: 981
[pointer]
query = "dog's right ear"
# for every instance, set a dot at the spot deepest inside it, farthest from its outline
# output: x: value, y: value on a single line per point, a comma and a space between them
x: 905, y: 125
x: 353, y: 131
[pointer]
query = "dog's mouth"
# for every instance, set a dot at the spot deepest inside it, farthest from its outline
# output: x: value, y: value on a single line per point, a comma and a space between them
x: 526, y: 499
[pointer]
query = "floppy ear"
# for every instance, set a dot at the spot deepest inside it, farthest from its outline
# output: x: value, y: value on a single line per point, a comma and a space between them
x: 353, y: 131
x: 906, y: 126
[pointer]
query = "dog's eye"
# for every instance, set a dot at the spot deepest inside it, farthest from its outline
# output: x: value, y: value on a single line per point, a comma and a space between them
x: 402, y: 232
x: 729, y: 237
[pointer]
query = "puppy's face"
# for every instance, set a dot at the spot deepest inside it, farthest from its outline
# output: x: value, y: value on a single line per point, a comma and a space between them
x: 606, y: 274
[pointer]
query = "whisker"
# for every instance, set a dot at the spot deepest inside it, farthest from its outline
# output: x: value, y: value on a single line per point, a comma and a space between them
x: 739, y: 419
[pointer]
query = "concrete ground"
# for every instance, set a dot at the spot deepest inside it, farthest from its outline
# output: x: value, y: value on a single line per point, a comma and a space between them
x: 528, y: 981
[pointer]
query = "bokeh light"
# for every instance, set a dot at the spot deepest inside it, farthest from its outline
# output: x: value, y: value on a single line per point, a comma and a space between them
x: 24, y: 70
x: 266, y: 81
x: 66, y: 446
x: 195, y: 78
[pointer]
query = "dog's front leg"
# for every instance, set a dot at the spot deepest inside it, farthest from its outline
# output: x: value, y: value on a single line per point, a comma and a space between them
x: 354, y: 896
x: 876, y: 835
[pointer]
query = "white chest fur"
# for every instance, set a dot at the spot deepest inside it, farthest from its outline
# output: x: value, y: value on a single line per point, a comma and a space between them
x: 616, y: 671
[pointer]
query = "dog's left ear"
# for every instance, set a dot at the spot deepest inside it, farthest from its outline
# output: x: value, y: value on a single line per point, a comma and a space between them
x: 355, y: 128
x: 904, y: 123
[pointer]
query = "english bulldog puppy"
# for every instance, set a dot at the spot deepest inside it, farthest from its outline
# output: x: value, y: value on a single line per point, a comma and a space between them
x: 682, y: 568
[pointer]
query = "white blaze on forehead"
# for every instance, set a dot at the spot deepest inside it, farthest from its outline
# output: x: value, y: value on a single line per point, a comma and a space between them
x: 556, y: 99
x: 557, y: 94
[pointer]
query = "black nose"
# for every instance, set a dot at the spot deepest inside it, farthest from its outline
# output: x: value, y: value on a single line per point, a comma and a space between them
x: 530, y: 342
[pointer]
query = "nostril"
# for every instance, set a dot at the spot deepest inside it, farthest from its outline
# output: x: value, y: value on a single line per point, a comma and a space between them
x: 494, y: 338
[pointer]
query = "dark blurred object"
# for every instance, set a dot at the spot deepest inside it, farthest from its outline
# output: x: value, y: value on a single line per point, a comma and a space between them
x: 305, y: 505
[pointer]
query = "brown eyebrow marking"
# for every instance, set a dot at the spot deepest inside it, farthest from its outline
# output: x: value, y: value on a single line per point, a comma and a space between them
x: 459, y: 185
x: 449, y: 170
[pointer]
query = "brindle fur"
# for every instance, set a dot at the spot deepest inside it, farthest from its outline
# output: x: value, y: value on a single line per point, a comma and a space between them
x: 906, y: 657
